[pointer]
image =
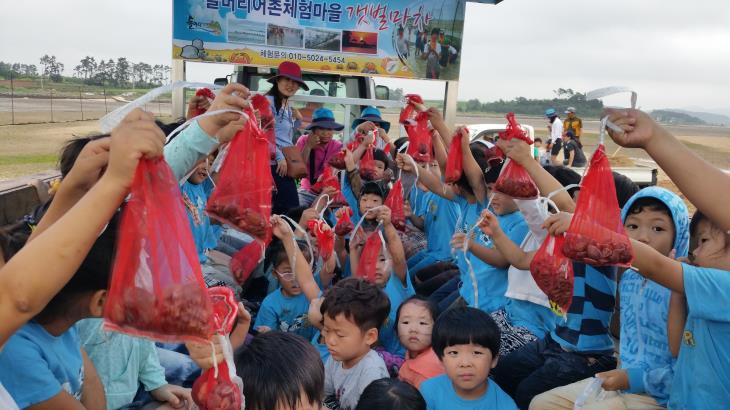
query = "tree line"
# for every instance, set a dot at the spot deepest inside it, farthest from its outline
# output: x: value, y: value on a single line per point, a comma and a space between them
x: 564, y: 98
x: 120, y: 73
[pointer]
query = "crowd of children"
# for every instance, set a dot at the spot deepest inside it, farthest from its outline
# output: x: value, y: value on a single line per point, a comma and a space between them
x: 369, y: 315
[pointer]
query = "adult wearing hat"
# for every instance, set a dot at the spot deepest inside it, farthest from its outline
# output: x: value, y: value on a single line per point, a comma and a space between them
x: 573, y: 123
x: 286, y: 83
x: 317, y: 148
x: 371, y: 120
x: 555, y: 127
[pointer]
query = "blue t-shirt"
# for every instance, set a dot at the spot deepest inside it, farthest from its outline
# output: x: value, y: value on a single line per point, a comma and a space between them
x: 538, y: 319
x: 36, y: 366
x: 324, y: 353
x: 491, y: 281
x: 702, y: 374
x: 439, y: 217
x: 195, y: 198
x: 594, y: 296
x: 286, y: 314
x: 439, y: 394
x: 397, y: 293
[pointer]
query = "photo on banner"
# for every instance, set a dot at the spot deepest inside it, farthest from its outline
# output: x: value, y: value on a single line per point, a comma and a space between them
x: 419, y: 39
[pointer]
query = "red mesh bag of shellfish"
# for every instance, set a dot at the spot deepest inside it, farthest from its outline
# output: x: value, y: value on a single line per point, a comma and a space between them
x: 245, y: 261
x: 265, y: 119
x: 368, y: 263
x: 338, y: 160
x: 414, y: 103
x: 454, y: 161
x: 596, y: 235
x: 215, y: 389
x: 344, y: 224
x: 204, y: 92
x: 420, y: 145
x: 395, y: 202
x: 157, y: 289
x: 367, y: 165
x: 242, y: 198
x: 514, y: 180
x: 325, y: 237
x: 553, y: 273
x: 328, y: 179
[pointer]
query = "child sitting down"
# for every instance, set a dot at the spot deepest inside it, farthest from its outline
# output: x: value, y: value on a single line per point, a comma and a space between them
x: 467, y: 342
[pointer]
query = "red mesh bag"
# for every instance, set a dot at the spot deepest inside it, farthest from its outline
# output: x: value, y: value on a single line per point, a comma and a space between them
x: 413, y: 102
x: 454, y: 161
x: 419, y: 138
x: 344, y: 224
x: 367, y: 265
x: 242, y: 198
x: 214, y: 389
x: 367, y: 165
x: 596, y: 235
x: 514, y: 180
x: 395, y: 202
x: 157, y: 289
x: 338, y: 160
x: 266, y: 121
x: 553, y: 273
x: 205, y: 92
x: 328, y: 179
x: 325, y: 237
x: 246, y: 260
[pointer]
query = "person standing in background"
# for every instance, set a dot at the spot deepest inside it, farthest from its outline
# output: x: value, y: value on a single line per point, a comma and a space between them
x: 555, y: 127
x: 573, y: 123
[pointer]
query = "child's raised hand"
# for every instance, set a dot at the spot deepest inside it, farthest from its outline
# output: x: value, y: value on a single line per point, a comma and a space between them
x: 558, y: 223
x: 308, y: 215
x: 243, y: 324
x: 489, y: 224
x: 137, y: 136
x: 434, y: 115
x: 517, y: 150
x: 281, y: 228
x: 638, y: 127
x: 231, y: 97
x: 407, y: 211
x: 197, y: 102
x: 349, y: 160
x: 229, y: 131
x: 613, y: 380
x: 405, y: 162
x: 384, y: 215
x: 458, y: 240
x: 89, y: 165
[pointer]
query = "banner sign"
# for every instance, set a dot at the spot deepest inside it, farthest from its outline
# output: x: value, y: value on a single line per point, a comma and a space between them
x: 395, y: 38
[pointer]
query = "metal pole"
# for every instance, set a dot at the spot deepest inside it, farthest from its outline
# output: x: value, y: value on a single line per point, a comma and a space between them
x: 51, y: 104
x: 81, y: 102
x: 12, y: 99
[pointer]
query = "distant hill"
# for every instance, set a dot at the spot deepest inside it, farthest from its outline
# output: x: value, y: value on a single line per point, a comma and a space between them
x: 676, y: 118
x: 709, y: 118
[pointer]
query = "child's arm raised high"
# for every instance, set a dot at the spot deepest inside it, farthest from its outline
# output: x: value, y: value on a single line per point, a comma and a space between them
x: 303, y: 272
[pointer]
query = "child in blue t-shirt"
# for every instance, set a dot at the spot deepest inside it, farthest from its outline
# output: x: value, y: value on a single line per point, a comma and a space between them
x: 466, y: 340
x: 286, y: 308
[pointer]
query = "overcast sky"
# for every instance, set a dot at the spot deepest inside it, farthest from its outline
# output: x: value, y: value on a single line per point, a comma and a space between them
x: 674, y: 54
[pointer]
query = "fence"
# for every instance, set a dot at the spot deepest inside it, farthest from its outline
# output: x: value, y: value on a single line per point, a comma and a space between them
x: 33, y: 102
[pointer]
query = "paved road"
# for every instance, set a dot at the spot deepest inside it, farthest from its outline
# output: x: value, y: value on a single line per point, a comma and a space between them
x: 28, y: 105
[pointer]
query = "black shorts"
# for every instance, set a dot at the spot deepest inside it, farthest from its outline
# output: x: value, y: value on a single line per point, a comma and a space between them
x: 556, y: 147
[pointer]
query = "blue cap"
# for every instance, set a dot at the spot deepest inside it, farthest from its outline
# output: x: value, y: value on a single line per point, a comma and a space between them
x: 324, y: 118
x: 550, y: 112
x: 372, y: 114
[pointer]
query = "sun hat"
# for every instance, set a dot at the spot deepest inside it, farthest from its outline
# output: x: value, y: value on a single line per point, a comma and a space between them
x: 324, y: 118
x: 550, y: 112
x: 371, y: 114
x: 570, y: 110
x: 291, y: 71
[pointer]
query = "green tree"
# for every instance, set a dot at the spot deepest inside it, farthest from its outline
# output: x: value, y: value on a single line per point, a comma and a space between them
x: 122, y: 72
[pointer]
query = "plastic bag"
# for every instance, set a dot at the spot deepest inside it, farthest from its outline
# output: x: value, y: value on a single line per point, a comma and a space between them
x: 514, y: 180
x: 366, y: 267
x: 395, y: 202
x: 219, y: 388
x: 325, y: 237
x: 246, y: 260
x: 242, y: 198
x: 344, y: 225
x: 596, y: 235
x: 553, y: 273
x: 205, y: 92
x: 413, y: 102
x: 420, y: 145
x: 157, y: 289
x: 367, y: 165
x: 338, y: 160
x: 454, y: 161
